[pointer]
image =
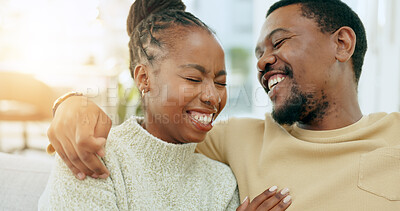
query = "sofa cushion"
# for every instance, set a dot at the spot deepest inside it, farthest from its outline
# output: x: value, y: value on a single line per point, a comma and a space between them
x: 22, y: 181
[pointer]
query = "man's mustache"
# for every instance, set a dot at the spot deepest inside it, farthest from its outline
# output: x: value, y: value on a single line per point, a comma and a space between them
x: 286, y: 69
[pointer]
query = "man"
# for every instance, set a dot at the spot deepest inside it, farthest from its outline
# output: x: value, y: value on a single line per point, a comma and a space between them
x: 316, y: 141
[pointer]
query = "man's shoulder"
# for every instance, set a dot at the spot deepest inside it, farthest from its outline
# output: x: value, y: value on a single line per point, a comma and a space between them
x: 394, y: 115
x: 239, y: 129
x: 245, y: 121
x: 384, y: 118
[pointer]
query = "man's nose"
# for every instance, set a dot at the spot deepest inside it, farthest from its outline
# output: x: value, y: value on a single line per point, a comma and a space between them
x: 266, y: 59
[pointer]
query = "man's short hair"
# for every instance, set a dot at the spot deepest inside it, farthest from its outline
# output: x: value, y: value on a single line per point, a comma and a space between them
x: 330, y: 15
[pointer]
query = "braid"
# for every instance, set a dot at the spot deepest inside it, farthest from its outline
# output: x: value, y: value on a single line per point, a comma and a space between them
x: 141, y: 9
x: 151, y: 25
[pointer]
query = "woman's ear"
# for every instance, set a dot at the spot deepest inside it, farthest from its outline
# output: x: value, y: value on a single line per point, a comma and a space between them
x: 345, y: 39
x: 141, y: 74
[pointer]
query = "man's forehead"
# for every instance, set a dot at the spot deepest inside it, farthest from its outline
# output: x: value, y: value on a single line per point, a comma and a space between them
x: 282, y: 17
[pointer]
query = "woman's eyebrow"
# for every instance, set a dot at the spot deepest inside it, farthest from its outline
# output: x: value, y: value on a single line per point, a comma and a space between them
x: 202, y: 69
x: 195, y: 66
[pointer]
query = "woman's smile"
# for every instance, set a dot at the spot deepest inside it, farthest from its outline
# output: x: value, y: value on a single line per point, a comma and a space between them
x: 188, y: 89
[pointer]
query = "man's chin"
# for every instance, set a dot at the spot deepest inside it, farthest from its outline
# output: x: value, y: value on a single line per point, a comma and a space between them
x: 291, y: 110
x: 285, y: 116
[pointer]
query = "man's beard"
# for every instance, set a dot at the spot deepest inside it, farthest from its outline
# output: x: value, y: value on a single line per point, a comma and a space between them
x: 293, y: 110
x: 301, y: 107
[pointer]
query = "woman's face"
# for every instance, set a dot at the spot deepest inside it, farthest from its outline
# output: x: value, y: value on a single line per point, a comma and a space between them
x: 188, y: 91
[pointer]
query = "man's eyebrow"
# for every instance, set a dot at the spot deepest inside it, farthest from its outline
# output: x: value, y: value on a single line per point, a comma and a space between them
x: 221, y: 72
x: 276, y: 31
x: 258, y: 49
x: 282, y: 30
x: 195, y: 66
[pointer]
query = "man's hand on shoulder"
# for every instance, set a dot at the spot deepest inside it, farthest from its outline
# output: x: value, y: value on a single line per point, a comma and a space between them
x: 78, y: 133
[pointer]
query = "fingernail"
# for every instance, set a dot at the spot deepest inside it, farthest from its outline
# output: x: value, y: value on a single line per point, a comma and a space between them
x: 287, y: 199
x: 273, y: 188
x: 285, y: 191
x: 104, y: 176
x: 245, y: 199
x: 95, y: 175
x: 81, y: 176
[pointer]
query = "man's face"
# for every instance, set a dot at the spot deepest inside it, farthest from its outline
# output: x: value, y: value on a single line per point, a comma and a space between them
x: 295, y: 62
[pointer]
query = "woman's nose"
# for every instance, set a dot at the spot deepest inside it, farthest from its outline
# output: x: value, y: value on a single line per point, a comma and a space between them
x: 210, y: 95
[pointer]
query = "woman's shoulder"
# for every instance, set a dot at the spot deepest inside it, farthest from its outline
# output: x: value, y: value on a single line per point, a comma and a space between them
x: 122, y: 135
x: 215, y: 179
x: 123, y: 130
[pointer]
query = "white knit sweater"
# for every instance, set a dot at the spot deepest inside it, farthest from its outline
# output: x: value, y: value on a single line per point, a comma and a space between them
x: 145, y: 174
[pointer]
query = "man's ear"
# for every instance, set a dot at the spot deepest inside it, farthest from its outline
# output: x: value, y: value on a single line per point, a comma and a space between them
x: 141, y: 74
x: 345, y: 39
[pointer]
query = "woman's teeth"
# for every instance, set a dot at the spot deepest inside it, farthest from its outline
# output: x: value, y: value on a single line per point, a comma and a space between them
x: 273, y: 81
x: 201, y: 117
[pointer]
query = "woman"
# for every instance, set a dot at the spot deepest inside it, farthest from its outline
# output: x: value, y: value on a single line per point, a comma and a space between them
x: 178, y: 66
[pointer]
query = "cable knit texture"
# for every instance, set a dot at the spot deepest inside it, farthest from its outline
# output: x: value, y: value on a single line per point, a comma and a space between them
x: 145, y: 174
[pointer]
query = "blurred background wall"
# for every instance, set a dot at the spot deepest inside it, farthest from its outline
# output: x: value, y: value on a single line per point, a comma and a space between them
x: 82, y: 45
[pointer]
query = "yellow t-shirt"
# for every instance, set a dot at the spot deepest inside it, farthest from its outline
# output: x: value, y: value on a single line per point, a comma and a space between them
x: 353, y: 168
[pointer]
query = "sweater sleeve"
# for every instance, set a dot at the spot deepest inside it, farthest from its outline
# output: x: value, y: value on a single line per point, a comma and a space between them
x: 234, y: 203
x: 65, y: 192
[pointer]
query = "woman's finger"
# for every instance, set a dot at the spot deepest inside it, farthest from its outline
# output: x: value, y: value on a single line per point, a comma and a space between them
x: 272, y: 201
x: 283, y: 204
x: 257, y: 201
x: 244, y: 204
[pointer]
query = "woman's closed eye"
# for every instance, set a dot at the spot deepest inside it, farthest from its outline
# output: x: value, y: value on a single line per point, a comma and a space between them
x: 199, y: 80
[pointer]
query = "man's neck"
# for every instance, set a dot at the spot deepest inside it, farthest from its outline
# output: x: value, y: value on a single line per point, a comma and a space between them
x: 334, y: 121
x: 339, y: 114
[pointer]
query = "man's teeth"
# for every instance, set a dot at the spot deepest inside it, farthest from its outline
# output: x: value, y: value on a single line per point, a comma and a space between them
x: 202, y: 118
x: 273, y: 82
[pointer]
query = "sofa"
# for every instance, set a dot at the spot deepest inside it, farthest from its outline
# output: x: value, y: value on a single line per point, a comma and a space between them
x: 22, y: 181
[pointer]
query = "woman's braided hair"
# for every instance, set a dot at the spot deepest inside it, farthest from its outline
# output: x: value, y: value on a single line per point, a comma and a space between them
x: 151, y: 25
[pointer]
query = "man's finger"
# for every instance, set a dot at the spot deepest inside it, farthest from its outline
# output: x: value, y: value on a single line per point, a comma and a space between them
x: 74, y: 157
x: 93, y: 162
x: 101, y: 141
x: 64, y: 157
x: 103, y: 125
x: 85, y: 129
